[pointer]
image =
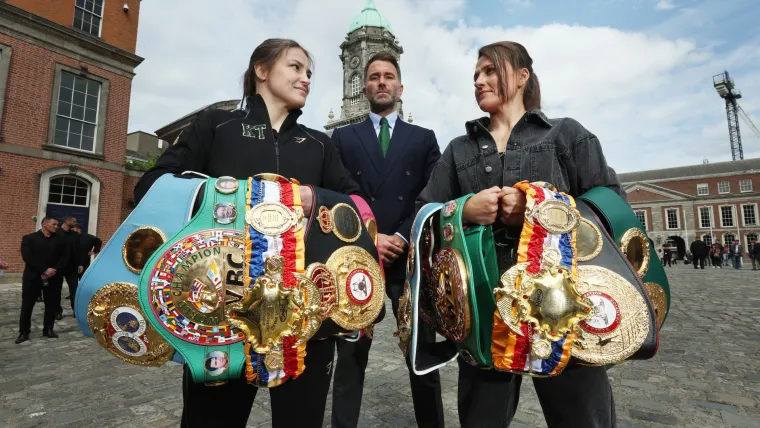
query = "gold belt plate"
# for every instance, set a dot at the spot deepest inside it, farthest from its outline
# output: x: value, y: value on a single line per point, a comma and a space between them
x: 451, y: 295
x: 619, y: 321
x: 271, y: 218
x: 360, y: 287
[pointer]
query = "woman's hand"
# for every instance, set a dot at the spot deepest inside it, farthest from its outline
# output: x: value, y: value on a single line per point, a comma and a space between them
x: 512, y: 203
x: 307, y: 199
x: 482, y: 208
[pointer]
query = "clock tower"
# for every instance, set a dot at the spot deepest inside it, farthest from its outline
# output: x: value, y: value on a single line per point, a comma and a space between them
x: 368, y: 34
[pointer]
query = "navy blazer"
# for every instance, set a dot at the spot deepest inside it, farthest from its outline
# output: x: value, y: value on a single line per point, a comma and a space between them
x: 393, y: 183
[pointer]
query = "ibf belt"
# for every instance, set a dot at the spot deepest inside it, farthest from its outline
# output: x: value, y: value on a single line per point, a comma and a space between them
x: 549, y: 308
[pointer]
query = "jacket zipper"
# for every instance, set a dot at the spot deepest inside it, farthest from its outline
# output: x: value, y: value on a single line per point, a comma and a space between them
x: 276, y: 139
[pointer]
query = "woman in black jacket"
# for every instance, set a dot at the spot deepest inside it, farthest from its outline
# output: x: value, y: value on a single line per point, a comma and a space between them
x: 265, y: 137
x: 518, y: 142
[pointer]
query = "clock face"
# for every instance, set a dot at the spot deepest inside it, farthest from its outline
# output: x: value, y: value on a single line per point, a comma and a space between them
x: 354, y: 62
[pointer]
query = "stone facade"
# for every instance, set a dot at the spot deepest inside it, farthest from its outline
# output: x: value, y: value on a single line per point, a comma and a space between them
x: 38, y: 46
x: 714, y: 202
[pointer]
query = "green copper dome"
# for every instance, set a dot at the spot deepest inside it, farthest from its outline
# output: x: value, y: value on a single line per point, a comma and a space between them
x: 370, y: 17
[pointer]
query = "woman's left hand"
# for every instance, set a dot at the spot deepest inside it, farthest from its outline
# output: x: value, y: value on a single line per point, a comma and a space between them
x: 307, y: 199
x: 511, y: 206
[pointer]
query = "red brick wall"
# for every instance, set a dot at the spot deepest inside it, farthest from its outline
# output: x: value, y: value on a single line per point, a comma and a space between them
x: 20, y: 183
x: 119, y: 27
x: 690, y: 186
x: 644, y: 196
x: 26, y: 114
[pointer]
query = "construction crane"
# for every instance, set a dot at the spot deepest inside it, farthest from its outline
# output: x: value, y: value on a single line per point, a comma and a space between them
x: 726, y: 88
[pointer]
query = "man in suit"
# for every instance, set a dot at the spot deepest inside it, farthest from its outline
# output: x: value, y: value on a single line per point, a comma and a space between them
x: 66, y: 231
x: 89, y: 245
x: 46, y: 255
x: 392, y: 161
x: 699, y: 252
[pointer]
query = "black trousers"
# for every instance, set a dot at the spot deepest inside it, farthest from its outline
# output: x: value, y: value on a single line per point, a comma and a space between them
x: 580, y: 397
x: 30, y: 290
x: 349, y: 380
x: 699, y: 260
x: 72, y: 280
x: 296, y: 403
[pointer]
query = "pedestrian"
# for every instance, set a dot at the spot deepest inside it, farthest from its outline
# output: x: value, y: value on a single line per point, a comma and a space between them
x: 70, y: 272
x: 699, y: 252
x: 756, y: 251
x: 725, y: 255
x: 3, y: 267
x: 89, y: 246
x: 517, y: 142
x: 46, y: 255
x: 735, y: 253
x: 667, y: 256
x: 263, y: 137
x: 716, y: 257
x: 391, y: 160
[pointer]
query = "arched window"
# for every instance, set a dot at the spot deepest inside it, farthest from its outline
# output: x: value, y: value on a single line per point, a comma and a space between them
x: 728, y: 238
x: 69, y: 191
x: 708, y: 239
x: 750, y: 237
x: 356, y: 85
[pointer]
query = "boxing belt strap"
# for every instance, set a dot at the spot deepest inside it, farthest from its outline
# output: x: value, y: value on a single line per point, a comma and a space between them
x: 106, y: 303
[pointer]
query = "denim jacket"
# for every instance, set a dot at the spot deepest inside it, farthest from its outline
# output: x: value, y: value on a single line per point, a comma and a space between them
x: 558, y: 151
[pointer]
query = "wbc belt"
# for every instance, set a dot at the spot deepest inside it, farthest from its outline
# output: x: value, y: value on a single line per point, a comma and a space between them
x: 242, y: 286
x: 572, y: 293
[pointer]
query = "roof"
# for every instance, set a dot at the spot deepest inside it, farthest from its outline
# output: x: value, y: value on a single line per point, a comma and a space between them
x: 370, y: 17
x: 718, y: 168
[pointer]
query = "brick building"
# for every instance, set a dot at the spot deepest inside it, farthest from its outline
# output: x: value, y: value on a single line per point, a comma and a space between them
x: 66, y: 70
x: 717, y: 202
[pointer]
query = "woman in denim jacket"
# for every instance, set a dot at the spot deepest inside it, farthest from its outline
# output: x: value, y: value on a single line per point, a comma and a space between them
x: 515, y: 142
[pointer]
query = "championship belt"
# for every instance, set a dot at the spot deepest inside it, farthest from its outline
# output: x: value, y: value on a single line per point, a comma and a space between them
x: 571, y: 293
x: 236, y: 292
x: 106, y: 303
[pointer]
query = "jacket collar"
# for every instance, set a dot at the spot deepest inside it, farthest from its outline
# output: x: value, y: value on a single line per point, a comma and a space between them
x: 474, y: 127
x: 256, y: 108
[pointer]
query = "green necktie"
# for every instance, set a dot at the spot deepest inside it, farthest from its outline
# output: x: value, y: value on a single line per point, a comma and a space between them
x: 385, y: 135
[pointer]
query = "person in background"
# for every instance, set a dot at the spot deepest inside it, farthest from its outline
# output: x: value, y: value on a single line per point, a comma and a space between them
x: 46, y: 254
x: 725, y: 255
x: 667, y: 257
x: 70, y: 272
x: 699, y: 252
x: 715, y: 255
x: 89, y: 245
x: 735, y: 254
x: 756, y: 252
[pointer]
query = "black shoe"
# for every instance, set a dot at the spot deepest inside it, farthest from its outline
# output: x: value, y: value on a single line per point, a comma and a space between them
x: 22, y: 337
x: 59, y: 316
x: 68, y: 297
x: 49, y: 334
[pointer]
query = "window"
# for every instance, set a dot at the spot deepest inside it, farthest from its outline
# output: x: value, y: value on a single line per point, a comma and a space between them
x: 728, y: 238
x: 88, y: 15
x: 672, y: 216
x: 745, y: 185
x: 77, y: 113
x: 703, y: 189
x: 356, y: 85
x: 705, y: 217
x: 708, y: 239
x: 724, y: 187
x: 5, y: 64
x: 68, y: 191
x: 642, y: 216
x: 750, y: 214
x: 727, y: 216
x: 751, y: 239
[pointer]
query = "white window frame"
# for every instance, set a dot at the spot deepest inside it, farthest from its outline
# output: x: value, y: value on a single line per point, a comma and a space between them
x: 645, y: 223
x: 5, y: 65
x: 705, y: 187
x: 355, y: 86
x: 744, y: 220
x: 678, y: 219
x: 733, y: 215
x: 102, y: 13
x: 747, y: 180
x: 88, y: 186
x: 699, y: 216
x: 728, y: 184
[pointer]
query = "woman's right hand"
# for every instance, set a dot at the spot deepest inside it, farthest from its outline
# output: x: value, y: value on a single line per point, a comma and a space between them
x: 483, y: 207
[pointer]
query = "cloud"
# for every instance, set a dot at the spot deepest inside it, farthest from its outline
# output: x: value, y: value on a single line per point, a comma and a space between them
x: 665, y: 5
x: 649, y: 99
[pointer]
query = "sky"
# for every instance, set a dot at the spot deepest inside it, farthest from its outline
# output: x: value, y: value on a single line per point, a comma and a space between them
x: 636, y: 73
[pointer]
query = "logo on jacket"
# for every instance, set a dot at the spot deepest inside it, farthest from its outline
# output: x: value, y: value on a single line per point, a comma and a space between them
x: 254, y: 131
x: 300, y: 140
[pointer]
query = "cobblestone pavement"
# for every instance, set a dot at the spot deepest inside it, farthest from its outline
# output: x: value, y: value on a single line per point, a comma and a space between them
x: 706, y: 373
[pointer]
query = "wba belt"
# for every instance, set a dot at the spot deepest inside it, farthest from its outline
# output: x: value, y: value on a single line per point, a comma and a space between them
x: 236, y: 292
x: 572, y: 292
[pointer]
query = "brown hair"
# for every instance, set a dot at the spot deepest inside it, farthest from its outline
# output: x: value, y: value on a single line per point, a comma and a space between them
x: 266, y: 54
x: 383, y: 56
x: 514, y: 54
